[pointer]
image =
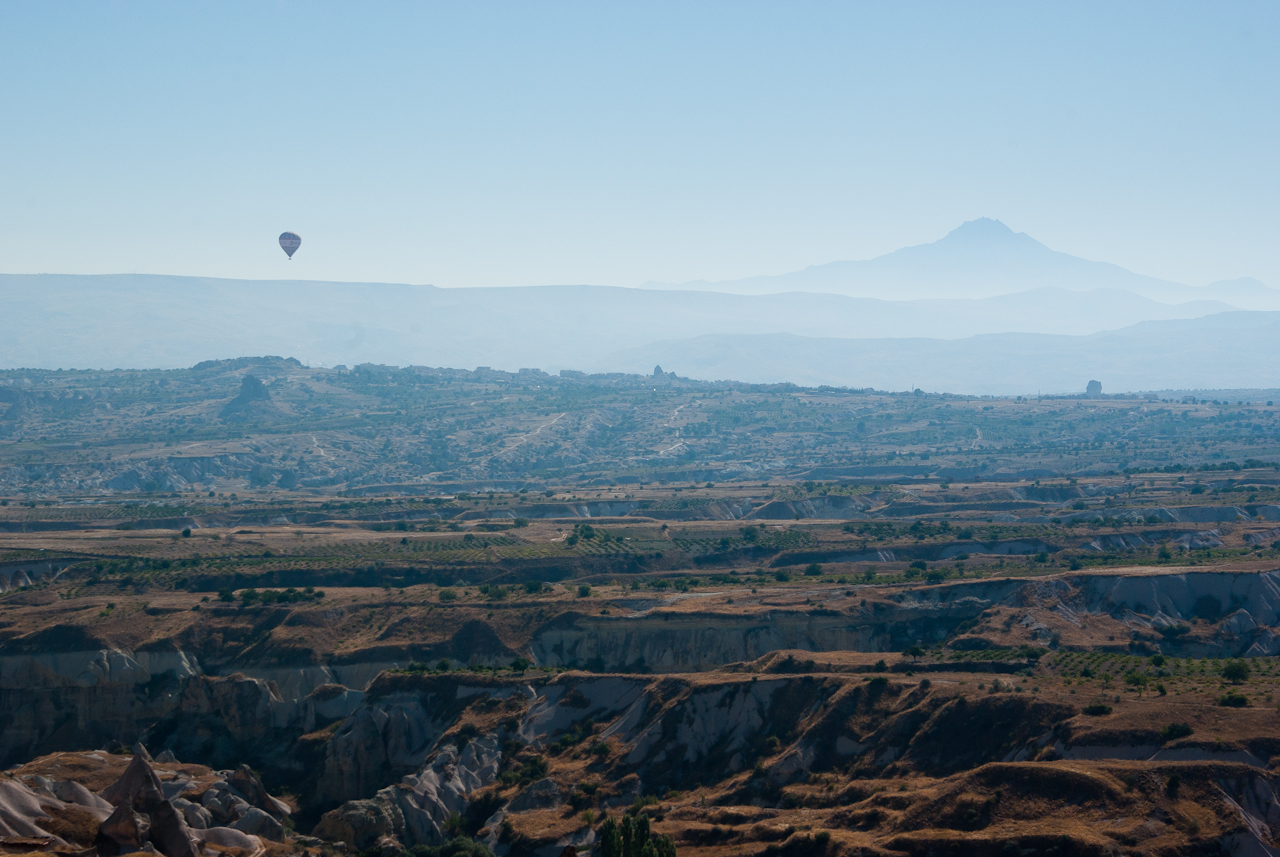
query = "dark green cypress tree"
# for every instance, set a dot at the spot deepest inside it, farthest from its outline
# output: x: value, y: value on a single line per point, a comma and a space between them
x: 610, y: 839
x: 641, y: 834
x: 629, y: 848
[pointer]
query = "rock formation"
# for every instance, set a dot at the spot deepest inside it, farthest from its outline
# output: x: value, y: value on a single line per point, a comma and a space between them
x: 253, y: 400
x: 150, y: 813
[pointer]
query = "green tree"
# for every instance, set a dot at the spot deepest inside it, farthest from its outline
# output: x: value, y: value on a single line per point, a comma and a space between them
x: 610, y: 839
x: 1236, y: 671
x: 632, y: 838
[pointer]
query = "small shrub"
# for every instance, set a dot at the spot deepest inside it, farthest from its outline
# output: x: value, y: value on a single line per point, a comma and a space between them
x: 1174, y: 731
x: 1097, y: 709
x: 1233, y: 699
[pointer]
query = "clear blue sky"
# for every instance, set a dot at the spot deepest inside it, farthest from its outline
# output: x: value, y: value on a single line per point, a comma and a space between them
x: 520, y: 143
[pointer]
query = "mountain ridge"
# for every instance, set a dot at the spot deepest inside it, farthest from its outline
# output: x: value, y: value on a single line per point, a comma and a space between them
x: 1151, y: 355
x: 56, y: 321
x: 980, y: 258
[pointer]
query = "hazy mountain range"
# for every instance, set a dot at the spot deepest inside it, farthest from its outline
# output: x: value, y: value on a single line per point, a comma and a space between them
x: 1224, y: 351
x: 989, y: 311
x: 984, y: 258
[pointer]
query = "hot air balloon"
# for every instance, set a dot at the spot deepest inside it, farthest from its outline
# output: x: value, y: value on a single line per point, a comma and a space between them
x: 290, y: 242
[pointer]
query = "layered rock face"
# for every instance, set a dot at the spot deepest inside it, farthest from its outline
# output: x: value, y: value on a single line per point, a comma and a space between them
x: 690, y: 642
x: 419, y: 756
x: 744, y: 738
x: 74, y: 700
x: 56, y: 693
x: 659, y: 733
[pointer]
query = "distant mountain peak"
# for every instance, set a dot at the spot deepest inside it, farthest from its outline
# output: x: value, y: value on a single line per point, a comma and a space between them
x: 981, y: 226
x: 984, y: 258
x: 986, y: 232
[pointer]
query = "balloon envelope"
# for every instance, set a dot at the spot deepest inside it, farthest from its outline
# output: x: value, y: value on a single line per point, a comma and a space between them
x: 290, y: 242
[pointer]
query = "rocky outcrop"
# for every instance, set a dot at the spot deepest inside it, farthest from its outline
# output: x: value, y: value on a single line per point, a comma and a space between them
x: 674, y: 642
x: 362, y: 823
x: 295, y: 683
x: 22, y: 810
x: 45, y: 666
x: 150, y: 813
x: 52, y: 699
x: 1181, y: 597
x: 143, y: 816
x: 417, y: 810
x: 257, y: 822
x: 124, y: 832
x: 169, y: 832
x: 15, y: 575
x: 137, y: 778
x: 253, y: 401
x: 674, y: 733
x: 392, y: 734
x: 544, y: 794
x: 701, y: 510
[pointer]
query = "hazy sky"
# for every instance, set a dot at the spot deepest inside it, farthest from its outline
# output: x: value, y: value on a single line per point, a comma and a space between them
x: 511, y: 144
